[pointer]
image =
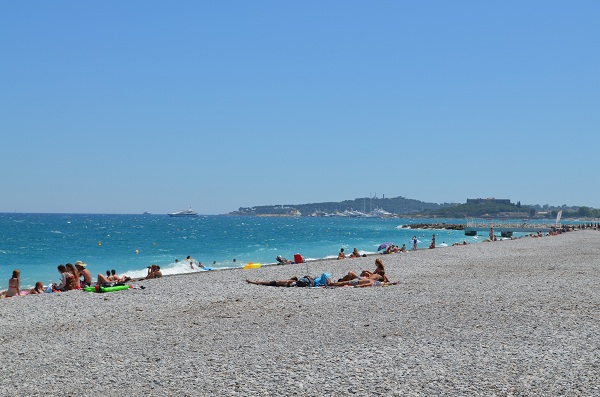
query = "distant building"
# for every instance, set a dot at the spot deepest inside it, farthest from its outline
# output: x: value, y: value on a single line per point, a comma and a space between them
x: 489, y: 200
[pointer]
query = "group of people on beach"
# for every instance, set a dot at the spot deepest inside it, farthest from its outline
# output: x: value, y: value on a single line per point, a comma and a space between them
x: 365, y: 278
x: 354, y: 254
x: 73, y: 277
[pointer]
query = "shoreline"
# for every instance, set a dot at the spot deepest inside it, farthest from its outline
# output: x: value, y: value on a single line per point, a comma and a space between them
x: 514, y: 317
x: 310, y: 260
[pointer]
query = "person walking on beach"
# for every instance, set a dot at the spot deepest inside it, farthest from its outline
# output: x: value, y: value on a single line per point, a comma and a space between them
x: 414, y: 242
x: 491, y: 234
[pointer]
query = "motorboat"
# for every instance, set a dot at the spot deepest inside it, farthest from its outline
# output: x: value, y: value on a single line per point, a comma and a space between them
x: 380, y: 213
x: 184, y: 213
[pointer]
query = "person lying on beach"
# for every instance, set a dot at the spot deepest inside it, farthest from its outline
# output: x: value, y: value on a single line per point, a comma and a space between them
x: 154, y: 272
x: 282, y: 261
x: 14, y: 284
x: 275, y: 283
x: 114, y: 277
x: 361, y: 282
x: 85, y: 273
x: 38, y: 289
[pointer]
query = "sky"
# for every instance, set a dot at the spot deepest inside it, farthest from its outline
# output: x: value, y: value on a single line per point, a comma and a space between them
x: 133, y: 106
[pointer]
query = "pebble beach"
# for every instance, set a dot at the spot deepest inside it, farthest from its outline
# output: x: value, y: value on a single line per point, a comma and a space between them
x: 509, y: 318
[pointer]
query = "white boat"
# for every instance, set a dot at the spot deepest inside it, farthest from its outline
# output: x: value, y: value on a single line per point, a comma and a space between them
x: 380, y: 213
x: 184, y: 213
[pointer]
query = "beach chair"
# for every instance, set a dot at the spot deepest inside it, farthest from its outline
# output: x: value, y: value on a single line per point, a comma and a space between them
x: 298, y: 258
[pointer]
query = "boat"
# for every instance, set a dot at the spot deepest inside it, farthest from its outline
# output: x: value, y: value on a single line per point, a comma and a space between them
x: 184, y: 213
x: 378, y: 212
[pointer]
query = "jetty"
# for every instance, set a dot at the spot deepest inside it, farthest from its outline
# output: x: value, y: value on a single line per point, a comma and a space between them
x: 505, y: 228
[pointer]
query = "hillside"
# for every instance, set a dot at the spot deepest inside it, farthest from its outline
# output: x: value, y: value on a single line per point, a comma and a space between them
x: 395, y: 205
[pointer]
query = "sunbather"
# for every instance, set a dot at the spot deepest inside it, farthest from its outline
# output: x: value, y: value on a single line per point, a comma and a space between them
x: 275, y: 283
x: 282, y: 261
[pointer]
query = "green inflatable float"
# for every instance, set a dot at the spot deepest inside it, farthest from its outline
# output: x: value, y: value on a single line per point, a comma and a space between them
x: 107, y: 289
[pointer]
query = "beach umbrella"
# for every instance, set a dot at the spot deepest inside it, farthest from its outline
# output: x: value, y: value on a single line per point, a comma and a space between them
x: 385, y: 246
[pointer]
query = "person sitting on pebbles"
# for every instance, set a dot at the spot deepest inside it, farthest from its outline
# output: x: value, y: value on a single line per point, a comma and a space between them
x: 379, y: 272
x: 154, y: 272
x: 85, y: 273
x: 366, y: 277
x: 355, y: 253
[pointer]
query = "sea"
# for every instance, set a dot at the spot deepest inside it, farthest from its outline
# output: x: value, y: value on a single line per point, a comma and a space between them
x: 37, y: 243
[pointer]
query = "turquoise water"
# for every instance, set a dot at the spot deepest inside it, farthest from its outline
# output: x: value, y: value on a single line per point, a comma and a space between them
x: 37, y: 243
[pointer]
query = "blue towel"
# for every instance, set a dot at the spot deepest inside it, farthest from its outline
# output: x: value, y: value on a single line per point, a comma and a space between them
x: 321, y: 281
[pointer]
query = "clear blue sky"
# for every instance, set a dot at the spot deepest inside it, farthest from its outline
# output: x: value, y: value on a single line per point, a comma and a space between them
x: 132, y: 106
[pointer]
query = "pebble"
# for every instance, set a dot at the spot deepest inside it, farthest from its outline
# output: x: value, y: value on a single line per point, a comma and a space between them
x: 509, y: 318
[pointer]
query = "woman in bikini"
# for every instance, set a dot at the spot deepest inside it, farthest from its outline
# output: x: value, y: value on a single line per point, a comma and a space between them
x: 378, y: 274
x: 14, y: 284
